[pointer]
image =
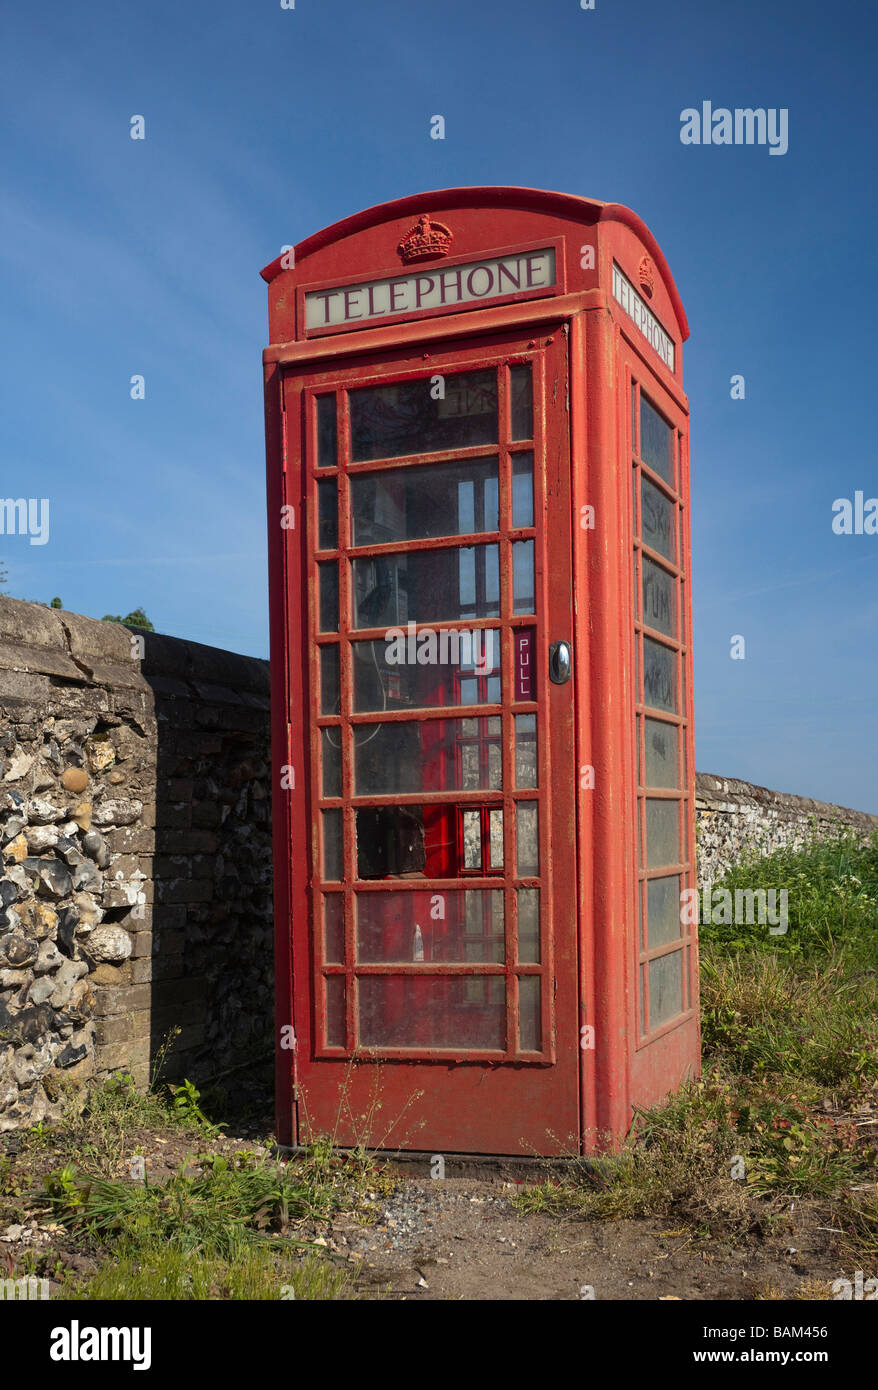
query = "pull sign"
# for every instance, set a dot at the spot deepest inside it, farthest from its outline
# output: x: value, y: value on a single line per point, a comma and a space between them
x: 524, y: 689
x: 560, y: 662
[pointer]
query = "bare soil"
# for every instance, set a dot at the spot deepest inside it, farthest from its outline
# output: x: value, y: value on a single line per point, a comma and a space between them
x: 461, y: 1238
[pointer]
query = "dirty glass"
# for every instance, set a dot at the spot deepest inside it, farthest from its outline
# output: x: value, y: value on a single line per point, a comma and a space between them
x: 521, y: 402
x: 665, y: 988
x: 523, y: 593
x: 659, y: 598
x: 427, y: 586
x: 333, y: 928
x: 663, y: 909
x: 327, y: 514
x: 434, y: 413
x: 656, y: 441
x: 530, y: 1037
x: 428, y: 755
x: 335, y: 1011
x: 440, y: 499
x: 528, y: 925
x: 659, y: 676
x: 332, y: 844
x: 527, y: 831
x: 327, y: 579
x: 662, y: 763
x: 522, y: 489
x: 330, y: 746
x: 327, y: 451
x: 657, y: 519
x: 329, y: 680
x: 459, y: 1012
x: 662, y: 832
x: 438, y: 667
x: 456, y: 926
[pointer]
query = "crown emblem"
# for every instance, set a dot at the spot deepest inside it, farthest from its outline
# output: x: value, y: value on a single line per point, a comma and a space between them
x: 424, y: 240
x: 646, y: 276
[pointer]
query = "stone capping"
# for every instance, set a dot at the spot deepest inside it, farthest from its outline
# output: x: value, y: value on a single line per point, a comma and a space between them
x: 212, y: 674
x: 734, y: 797
x: 53, y: 642
x: 49, y: 641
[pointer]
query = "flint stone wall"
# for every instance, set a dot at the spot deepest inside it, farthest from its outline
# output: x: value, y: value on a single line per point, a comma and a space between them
x: 736, y: 818
x: 136, y: 875
x: 135, y: 831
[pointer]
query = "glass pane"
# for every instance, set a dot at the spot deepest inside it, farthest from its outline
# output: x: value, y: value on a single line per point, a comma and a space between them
x: 657, y: 518
x: 427, y: 669
x: 427, y: 586
x: 528, y: 925
x: 659, y: 676
x: 663, y: 909
x: 495, y: 835
x: 425, y: 925
x: 522, y: 489
x: 523, y: 592
x: 525, y: 750
x: 330, y: 746
x: 327, y: 452
x: 659, y: 598
x: 662, y: 832
x: 407, y: 504
x: 521, y: 403
x: 530, y: 1032
x: 395, y: 840
x: 637, y: 691
x: 327, y: 514
x: 330, y: 696
x: 527, y: 829
x: 332, y: 845
x: 419, y: 417
x: 472, y: 839
x: 427, y: 755
x: 459, y: 1012
x: 328, y: 583
x: 656, y: 438
x: 661, y: 754
x: 665, y: 988
x: 333, y: 928
x: 335, y: 1011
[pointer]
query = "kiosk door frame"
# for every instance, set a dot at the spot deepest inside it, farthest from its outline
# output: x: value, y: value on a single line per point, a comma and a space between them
x: 508, y: 1080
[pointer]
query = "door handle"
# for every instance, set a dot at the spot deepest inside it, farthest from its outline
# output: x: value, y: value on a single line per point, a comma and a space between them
x: 560, y: 662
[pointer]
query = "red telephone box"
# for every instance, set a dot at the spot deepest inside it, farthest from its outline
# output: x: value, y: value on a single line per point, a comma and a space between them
x: 478, y: 501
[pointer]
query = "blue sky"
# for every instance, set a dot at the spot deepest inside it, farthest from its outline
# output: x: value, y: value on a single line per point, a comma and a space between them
x: 264, y: 125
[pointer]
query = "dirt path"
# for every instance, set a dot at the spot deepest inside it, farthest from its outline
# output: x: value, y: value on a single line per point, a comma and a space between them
x: 462, y: 1239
